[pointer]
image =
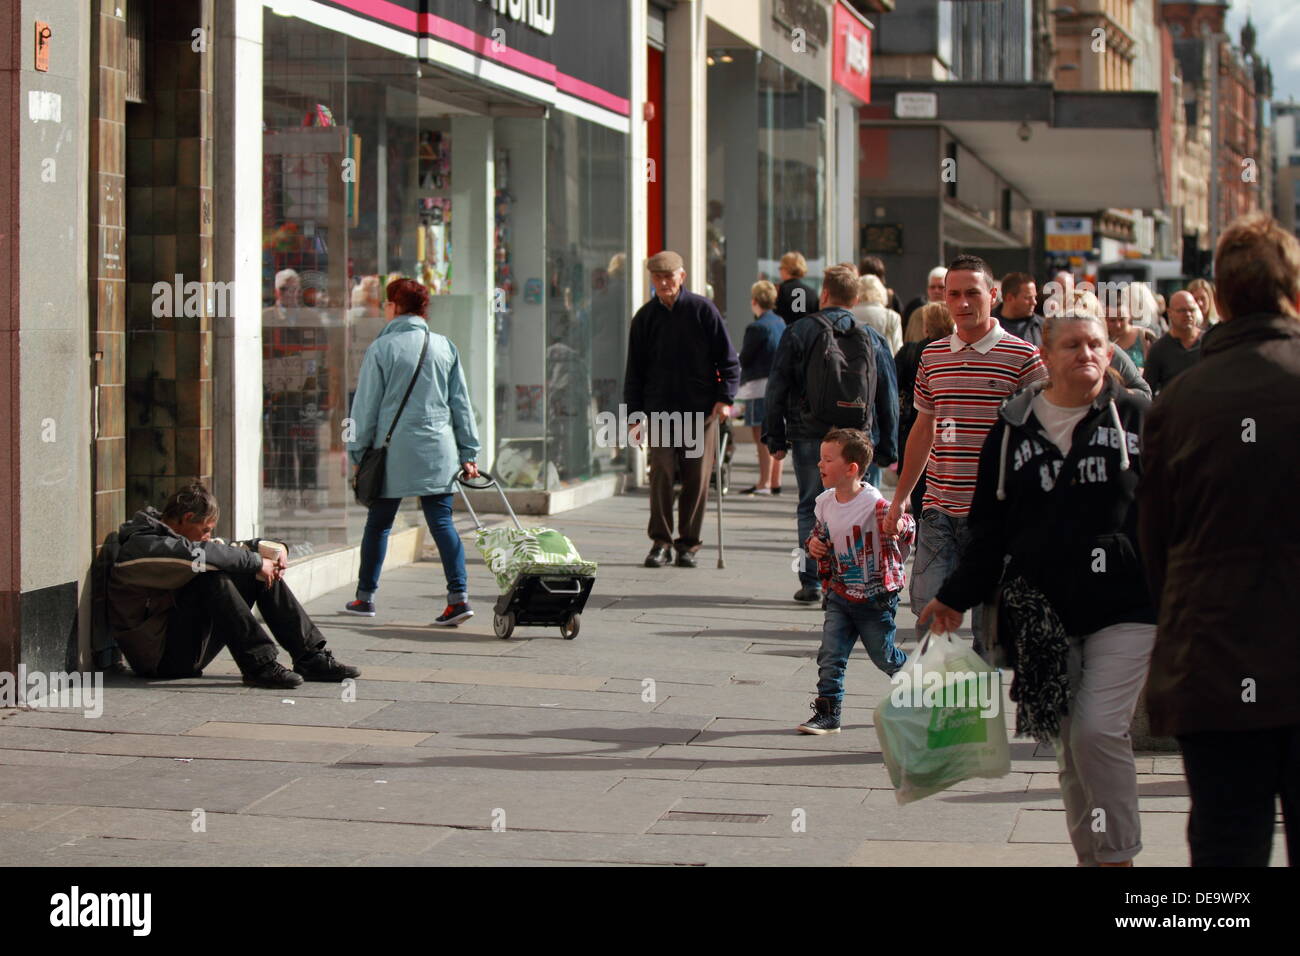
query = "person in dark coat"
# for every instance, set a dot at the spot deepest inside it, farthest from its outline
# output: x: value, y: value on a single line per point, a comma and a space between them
x: 682, y: 372
x: 177, y: 596
x: 789, y: 427
x: 1219, y: 522
x: 762, y: 336
x: 795, y: 298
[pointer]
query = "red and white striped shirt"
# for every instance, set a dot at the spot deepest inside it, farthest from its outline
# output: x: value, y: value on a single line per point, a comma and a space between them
x: 963, y: 386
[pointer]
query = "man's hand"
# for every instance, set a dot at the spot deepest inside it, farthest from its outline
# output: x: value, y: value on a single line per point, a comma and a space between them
x: 270, y: 572
x: 721, y: 411
x: 634, y: 435
x: 893, y: 523
x: 946, y: 620
x: 470, y: 468
x: 817, y: 548
x: 778, y: 456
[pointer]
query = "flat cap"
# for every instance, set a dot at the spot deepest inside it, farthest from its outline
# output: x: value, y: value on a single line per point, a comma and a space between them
x: 665, y: 261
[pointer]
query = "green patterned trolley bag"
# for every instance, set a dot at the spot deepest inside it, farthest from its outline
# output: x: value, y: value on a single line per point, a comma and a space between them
x: 543, y: 580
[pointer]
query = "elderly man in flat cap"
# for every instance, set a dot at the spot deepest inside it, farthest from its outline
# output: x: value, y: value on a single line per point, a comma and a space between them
x: 682, y: 372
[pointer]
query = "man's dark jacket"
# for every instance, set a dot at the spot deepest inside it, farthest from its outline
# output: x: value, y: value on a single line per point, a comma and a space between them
x: 786, y: 305
x: 679, y: 360
x: 153, y: 563
x: 787, y: 420
x: 1219, y: 518
x: 1030, y: 328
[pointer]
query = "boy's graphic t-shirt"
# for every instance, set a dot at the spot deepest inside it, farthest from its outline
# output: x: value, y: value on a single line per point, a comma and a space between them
x: 862, y: 563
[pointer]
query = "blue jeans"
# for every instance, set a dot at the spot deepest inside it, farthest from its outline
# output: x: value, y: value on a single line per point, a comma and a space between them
x: 940, y: 539
x: 806, y: 455
x: 846, y: 622
x: 374, y: 544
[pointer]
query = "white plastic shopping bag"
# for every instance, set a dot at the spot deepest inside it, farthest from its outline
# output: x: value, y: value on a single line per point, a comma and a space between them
x: 942, y: 722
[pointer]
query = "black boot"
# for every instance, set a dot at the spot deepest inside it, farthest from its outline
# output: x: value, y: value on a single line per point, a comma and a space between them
x: 825, y: 719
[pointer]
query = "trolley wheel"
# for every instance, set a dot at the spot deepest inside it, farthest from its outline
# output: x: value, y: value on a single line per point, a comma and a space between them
x: 503, y: 624
x: 569, y: 629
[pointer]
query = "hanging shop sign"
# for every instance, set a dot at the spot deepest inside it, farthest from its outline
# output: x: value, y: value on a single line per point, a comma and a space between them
x: 916, y: 105
x: 851, y: 66
x: 1067, y: 234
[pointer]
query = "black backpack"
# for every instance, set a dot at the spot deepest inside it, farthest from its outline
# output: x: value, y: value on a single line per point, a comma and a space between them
x: 840, y: 377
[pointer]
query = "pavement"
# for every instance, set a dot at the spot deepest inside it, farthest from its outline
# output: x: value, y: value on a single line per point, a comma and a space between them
x: 662, y: 735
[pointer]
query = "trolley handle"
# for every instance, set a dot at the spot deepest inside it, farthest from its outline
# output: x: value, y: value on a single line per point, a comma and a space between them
x: 463, y: 482
x: 576, y: 589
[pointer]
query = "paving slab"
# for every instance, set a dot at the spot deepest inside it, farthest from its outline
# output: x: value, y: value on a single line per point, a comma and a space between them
x: 158, y: 745
x: 279, y: 836
x: 596, y: 700
x: 520, y: 678
x: 517, y: 847
x: 828, y: 799
x: 531, y: 721
x: 530, y: 808
x: 298, y: 734
x: 40, y: 758
x: 156, y: 784
x: 1048, y: 826
x: 477, y: 769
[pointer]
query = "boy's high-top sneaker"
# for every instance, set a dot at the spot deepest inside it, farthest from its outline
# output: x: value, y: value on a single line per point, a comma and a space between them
x: 825, y: 719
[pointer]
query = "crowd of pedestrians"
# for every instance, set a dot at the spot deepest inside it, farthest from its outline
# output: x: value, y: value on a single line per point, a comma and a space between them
x: 1110, y: 544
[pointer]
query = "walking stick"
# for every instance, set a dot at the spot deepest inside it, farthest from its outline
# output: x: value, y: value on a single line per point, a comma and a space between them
x: 722, y: 448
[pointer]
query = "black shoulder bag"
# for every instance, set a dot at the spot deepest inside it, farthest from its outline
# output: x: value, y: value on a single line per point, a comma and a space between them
x: 368, y: 482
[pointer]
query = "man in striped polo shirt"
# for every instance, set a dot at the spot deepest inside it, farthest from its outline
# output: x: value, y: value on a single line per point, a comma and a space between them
x: 961, y: 382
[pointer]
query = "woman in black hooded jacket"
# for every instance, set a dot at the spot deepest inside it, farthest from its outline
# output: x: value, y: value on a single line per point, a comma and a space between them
x: 1054, y: 519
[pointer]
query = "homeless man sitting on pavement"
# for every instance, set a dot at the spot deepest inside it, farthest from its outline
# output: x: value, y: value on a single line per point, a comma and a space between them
x: 177, y: 595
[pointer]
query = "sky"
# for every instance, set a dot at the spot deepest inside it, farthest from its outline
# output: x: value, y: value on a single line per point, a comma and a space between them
x: 1277, y: 26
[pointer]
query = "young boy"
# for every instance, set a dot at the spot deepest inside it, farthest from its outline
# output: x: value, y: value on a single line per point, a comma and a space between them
x: 861, y: 570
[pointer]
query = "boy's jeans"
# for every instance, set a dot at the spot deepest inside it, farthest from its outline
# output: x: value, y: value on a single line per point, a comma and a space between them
x: 846, y: 621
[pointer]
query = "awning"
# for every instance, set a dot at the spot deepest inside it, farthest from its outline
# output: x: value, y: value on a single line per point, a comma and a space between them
x: 1084, y: 151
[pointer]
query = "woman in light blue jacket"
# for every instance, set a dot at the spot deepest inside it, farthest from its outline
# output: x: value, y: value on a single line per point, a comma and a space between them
x: 434, y: 438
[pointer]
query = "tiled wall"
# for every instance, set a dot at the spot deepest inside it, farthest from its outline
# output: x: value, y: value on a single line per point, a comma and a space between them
x: 107, y: 266
x: 169, y: 232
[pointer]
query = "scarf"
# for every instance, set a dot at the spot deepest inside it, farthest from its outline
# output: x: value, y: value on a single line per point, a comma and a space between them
x: 1041, y: 687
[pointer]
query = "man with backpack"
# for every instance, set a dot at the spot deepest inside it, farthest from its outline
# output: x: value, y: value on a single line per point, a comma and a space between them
x: 829, y: 372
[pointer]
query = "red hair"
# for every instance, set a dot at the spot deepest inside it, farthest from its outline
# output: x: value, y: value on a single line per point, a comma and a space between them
x: 409, y: 296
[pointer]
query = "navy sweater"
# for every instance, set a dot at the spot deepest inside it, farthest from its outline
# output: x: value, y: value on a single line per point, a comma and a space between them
x: 679, y: 360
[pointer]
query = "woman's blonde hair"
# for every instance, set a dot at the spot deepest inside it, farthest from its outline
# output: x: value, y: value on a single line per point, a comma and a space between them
x: 935, y: 321
x: 795, y: 264
x: 1205, y: 285
x: 871, y: 291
